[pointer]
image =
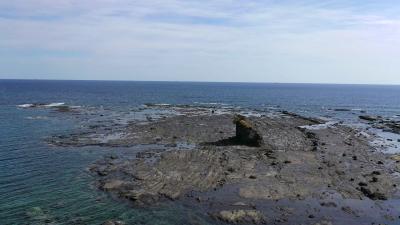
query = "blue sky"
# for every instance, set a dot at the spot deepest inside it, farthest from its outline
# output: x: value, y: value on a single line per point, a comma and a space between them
x: 295, y: 41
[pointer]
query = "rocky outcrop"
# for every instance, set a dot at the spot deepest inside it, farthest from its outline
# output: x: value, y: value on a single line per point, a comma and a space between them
x: 169, y: 178
x: 63, y: 108
x: 384, y: 124
x: 246, y: 132
x: 260, y: 160
x: 368, y: 118
x: 394, y: 126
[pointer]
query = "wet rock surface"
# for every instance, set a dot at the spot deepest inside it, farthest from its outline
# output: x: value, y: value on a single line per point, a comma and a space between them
x: 368, y: 118
x: 259, y: 169
x: 385, y: 124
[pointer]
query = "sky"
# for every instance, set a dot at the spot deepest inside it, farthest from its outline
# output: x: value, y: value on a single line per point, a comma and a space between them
x: 288, y: 41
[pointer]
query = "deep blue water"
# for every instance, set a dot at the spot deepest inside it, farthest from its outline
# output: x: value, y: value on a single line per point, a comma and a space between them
x: 39, y: 183
x: 306, y: 98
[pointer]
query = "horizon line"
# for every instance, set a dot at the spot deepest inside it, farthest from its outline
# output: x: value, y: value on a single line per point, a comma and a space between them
x: 197, y: 81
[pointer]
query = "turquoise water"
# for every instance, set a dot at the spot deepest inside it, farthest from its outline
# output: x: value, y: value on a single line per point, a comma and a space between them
x: 41, y: 184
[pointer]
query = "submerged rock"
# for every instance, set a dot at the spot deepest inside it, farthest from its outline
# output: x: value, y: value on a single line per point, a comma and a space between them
x: 36, y: 213
x: 113, y: 222
x: 40, y: 216
x: 112, y: 185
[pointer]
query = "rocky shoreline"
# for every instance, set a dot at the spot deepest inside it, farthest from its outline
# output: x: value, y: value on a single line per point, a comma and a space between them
x: 260, y: 169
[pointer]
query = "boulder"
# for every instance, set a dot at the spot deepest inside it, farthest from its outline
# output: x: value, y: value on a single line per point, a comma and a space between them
x: 241, y: 216
x: 246, y: 133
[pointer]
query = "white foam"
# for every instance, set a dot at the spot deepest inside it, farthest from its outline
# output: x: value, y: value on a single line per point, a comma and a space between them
x: 210, y: 103
x: 25, y: 105
x: 251, y: 113
x: 36, y: 117
x: 162, y: 104
x: 319, y: 126
x: 387, y: 142
x: 364, y: 134
x: 56, y: 104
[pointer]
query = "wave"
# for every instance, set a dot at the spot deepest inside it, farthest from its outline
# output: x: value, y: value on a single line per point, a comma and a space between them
x: 37, y: 105
x: 210, y: 103
x: 56, y: 104
x: 156, y: 104
x: 320, y: 126
x: 36, y: 117
x: 26, y: 105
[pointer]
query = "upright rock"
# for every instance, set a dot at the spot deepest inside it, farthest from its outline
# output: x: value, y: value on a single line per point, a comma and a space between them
x: 246, y: 133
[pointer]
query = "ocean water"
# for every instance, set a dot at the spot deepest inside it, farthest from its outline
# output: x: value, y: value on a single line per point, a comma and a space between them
x: 41, y: 184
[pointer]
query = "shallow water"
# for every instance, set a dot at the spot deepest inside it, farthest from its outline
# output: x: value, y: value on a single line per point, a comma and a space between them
x: 41, y: 184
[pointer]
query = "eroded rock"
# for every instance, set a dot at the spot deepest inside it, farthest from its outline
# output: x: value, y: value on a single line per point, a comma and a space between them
x: 246, y: 132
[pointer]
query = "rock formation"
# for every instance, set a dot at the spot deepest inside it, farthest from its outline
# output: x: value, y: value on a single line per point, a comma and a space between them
x: 246, y: 133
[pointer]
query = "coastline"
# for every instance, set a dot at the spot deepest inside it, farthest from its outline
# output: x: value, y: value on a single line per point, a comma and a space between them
x: 326, y: 170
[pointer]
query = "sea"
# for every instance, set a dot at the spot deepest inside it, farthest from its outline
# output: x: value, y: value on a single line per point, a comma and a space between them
x: 43, y: 184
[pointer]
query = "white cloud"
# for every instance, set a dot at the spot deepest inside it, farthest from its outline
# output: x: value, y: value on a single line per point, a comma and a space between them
x: 224, y: 40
